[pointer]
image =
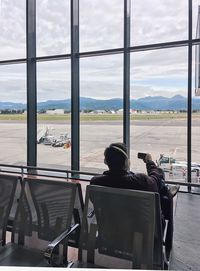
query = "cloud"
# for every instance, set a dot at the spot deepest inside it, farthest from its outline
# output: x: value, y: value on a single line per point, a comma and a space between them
x: 53, y: 27
x: 101, y: 24
x: 13, y: 29
x: 160, y: 72
x: 158, y: 21
x: 13, y: 83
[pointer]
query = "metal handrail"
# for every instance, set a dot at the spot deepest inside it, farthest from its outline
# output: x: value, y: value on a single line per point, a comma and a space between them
x: 183, y: 184
x: 75, y: 174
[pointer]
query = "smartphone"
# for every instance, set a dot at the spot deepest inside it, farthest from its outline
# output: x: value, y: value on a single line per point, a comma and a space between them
x: 141, y: 155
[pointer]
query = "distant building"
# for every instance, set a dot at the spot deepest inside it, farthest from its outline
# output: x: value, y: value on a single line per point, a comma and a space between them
x: 133, y: 111
x: 99, y: 112
x: 55, y: 112
x: 120, y: 111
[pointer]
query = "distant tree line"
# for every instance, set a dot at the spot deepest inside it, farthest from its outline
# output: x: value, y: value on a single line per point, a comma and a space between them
x: 11, y: 111
x: 43, y: 111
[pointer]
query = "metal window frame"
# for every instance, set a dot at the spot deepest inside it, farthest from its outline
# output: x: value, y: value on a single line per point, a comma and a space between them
x: 31, y: 63
x: 126, y: 75
x: 75, y: 92
x: 31, y: 82
x: 189, y: 109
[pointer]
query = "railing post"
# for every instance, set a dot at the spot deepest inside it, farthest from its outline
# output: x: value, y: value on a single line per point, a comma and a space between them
x: 22, y: 173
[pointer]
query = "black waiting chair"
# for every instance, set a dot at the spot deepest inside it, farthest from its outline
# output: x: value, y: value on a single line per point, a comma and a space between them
x: 8, y: 184
x: 42, y: 224
x: 121, y: 229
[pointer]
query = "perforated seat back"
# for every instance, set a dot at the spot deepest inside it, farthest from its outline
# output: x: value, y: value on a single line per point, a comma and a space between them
x: 8, y: 184
x: 77, y: 216
x: 79, y: 204
x: 123, y: 226
x: 158, y: 238
x: 45, y: 211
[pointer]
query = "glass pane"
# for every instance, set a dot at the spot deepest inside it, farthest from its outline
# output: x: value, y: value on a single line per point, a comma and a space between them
x: 158, y: 21
x: 13, y: 114
x: 54, y: 107
x: 53, y: 27
x: 101, y: 24
x: 196, y: 118
x: 13, y: 29
x: 101, y: 98
x: 196, y: 19
x: 159, y: 109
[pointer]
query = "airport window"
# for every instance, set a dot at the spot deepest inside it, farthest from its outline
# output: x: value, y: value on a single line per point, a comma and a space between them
x: 158, y: 97
x: 195, y: 119
x: 99, y: 32
x: 13, y: 114
x: 54, y: 114
x: 52, y: 27
x: 158, y: 21
x: 13, y: 29
x: 101, y: 80
x: 195, y: 18
x: 160, y: 65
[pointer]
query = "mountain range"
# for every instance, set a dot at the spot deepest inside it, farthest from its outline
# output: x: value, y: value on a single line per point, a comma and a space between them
x: 177, y: 102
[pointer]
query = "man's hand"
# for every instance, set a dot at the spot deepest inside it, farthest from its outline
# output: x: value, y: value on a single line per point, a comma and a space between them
x: 148, y: 157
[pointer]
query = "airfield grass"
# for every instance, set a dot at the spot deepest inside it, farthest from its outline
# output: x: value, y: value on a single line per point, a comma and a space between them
x: 98, y: 117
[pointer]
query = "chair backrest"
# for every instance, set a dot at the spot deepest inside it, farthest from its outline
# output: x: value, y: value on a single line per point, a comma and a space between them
x: 14, y: 204
x: 8, y: 184
x: 158, y: 259
x: 44, y: 211
x: 77, y: 216
x: 123, y: 226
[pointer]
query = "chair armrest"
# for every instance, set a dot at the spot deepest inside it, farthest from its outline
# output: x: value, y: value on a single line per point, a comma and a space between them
x: 90, y: 214
x: 49, y: 251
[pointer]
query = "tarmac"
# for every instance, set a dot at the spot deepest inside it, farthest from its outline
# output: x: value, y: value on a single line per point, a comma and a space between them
x: 157, y: 137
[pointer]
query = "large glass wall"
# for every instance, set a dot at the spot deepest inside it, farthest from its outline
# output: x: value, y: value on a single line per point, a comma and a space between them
x: 160, y: 79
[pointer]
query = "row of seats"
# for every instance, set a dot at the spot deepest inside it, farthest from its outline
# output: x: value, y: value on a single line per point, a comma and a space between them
x: 113, y: 228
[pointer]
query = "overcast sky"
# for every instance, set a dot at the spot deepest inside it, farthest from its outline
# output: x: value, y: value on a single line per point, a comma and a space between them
x: 162, y: 72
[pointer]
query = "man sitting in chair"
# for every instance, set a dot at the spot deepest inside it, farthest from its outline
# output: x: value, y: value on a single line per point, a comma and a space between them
x: 119, y: 175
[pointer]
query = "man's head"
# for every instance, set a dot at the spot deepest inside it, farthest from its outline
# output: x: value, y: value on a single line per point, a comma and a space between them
x: 116, y: 156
